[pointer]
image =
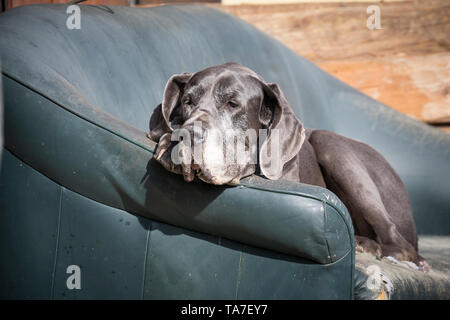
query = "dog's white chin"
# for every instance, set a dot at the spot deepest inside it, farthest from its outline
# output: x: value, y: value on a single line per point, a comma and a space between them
x: 217, y: 180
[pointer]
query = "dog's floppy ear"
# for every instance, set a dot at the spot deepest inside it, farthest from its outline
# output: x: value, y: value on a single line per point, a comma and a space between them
x: 285, y: 132
x: 166, y: 115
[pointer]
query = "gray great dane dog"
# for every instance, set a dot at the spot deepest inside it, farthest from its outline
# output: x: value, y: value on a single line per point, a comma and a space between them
x: 232, y: 98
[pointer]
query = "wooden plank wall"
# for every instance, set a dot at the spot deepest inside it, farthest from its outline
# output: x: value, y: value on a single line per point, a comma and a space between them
x: 405, y: 65
x: 16, y: 3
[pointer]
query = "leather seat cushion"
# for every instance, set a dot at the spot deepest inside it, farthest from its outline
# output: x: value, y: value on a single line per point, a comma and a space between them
x: 413, y: 284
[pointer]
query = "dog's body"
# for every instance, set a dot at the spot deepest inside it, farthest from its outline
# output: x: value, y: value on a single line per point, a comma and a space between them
x: 369, y: 187
x: 232, y: 97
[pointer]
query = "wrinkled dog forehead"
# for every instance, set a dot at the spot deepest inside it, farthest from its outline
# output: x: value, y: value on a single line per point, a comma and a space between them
x: 233, y: 68
x: 223, y: 79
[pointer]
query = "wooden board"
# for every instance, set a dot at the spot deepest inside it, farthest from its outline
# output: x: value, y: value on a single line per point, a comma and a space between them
x: 405, y: 65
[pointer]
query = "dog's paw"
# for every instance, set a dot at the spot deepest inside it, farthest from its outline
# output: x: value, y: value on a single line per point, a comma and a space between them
x: 163, y: 154
x: 423, y: 265
x: 405, y: 252
x: 406, y: 264
x: 367, y: 245
x: 418, y: 265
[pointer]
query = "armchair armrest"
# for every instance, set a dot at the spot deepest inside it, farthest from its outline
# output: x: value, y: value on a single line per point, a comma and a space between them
x: 90, y: 152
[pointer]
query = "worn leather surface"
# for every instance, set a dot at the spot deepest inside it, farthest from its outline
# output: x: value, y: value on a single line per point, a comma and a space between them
x: 120, y: 60
x: 110, y: 169
x: 77, y: 106
x: 409, y: 283
x: 118, y: 155
x: 46, y: 227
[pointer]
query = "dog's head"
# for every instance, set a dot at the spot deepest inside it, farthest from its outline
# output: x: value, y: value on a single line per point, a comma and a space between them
x: 224, y: 123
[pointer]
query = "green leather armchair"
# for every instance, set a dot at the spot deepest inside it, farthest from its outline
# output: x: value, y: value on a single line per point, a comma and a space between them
x: 78, y: 185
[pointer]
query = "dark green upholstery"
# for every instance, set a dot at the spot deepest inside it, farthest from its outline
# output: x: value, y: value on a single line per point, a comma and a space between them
x: 78, y: 185
x: 46, y: 227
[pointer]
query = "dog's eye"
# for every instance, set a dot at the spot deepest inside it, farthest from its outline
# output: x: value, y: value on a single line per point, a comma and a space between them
x: 232, y: 104
x: 187, y: 101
